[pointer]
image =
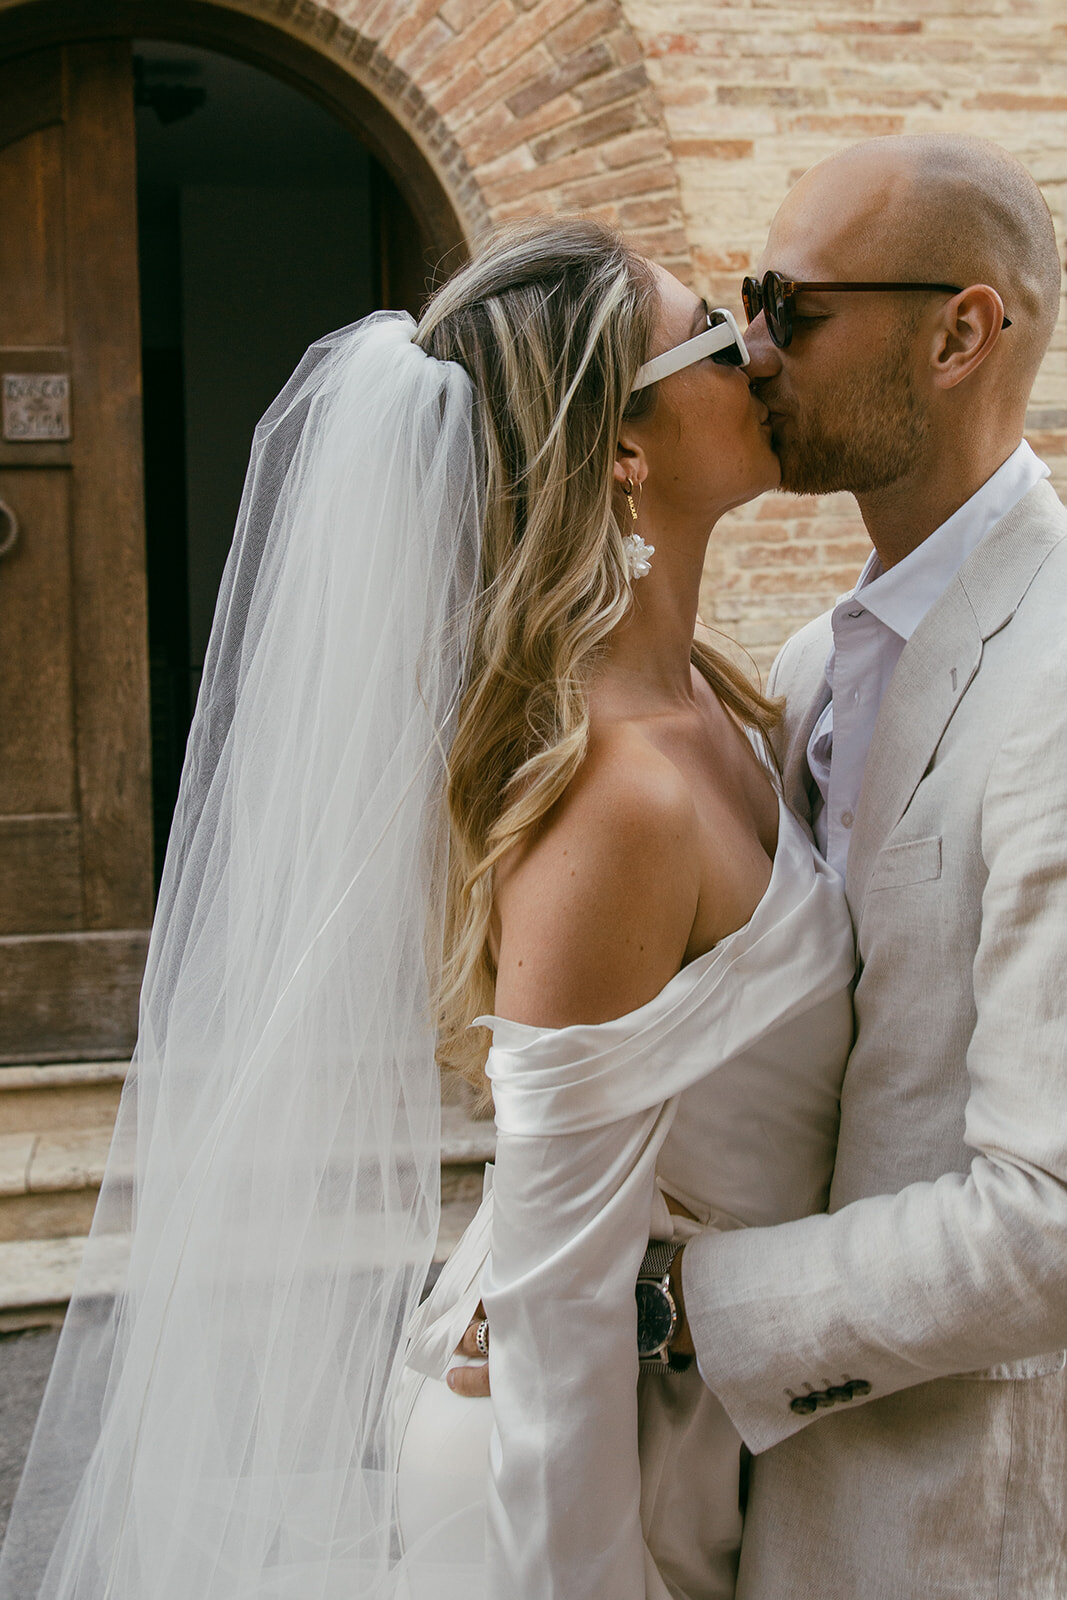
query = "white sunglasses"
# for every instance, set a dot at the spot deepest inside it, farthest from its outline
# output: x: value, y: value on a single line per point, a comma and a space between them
x: 722, y: 340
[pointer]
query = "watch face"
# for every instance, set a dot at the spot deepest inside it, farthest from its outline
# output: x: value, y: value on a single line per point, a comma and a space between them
x: 655, y: 1318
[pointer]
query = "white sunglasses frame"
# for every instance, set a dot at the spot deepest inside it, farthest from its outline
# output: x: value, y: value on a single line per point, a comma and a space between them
x: 717, y: 337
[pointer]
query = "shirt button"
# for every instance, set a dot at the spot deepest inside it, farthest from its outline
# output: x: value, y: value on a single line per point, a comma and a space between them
x: 847, y: 819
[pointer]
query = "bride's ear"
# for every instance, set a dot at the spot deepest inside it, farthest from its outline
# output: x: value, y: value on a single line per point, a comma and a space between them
x: 631, y: 465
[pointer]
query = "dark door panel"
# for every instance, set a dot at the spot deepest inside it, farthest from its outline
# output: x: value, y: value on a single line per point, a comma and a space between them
x: 75, y: 850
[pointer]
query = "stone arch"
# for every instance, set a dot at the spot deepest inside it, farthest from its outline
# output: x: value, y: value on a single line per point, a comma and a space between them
x: 414, y: 147
x: 482, y: 110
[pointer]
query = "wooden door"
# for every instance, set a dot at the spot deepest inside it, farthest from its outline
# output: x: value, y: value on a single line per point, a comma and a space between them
x: 75, y: 850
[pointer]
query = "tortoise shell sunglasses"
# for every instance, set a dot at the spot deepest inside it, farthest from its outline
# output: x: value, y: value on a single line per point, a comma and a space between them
x: 777, y: 298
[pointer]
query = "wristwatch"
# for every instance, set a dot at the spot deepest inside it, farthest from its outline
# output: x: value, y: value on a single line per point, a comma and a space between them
x: 657, y: 1313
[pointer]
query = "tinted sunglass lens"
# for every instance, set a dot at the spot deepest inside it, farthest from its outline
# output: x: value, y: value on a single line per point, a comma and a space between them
x: 751, y: 298
x: 770, y: 297
x: 779, y: 310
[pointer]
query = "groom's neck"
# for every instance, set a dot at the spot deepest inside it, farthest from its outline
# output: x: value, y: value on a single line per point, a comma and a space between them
x: 903, y: 515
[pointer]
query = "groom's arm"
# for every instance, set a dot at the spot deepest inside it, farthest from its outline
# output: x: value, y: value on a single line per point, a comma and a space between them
x: 959, y: 1274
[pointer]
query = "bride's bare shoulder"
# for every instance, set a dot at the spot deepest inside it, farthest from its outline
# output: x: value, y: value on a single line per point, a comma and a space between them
x: 595, y: 912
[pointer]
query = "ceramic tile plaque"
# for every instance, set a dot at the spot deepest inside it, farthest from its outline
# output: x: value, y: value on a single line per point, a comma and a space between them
x: 36, y: 406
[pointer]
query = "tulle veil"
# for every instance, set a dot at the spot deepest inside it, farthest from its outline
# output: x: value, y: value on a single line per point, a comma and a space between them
x: 217, y: 1425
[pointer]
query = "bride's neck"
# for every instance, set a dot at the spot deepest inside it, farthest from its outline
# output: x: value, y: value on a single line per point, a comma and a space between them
x: 647, y: 659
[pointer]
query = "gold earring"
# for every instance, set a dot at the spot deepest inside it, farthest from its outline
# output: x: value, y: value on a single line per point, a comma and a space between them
x: 637, y: 553
x: 628, y: 491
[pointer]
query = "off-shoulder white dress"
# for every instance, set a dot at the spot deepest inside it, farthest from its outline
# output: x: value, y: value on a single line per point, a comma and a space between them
x: 580, y: 1479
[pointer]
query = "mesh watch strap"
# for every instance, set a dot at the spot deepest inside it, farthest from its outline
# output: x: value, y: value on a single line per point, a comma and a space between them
x: 657, y: 1259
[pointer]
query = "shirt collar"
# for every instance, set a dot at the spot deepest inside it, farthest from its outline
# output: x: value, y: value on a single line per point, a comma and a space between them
x: 901, y: 597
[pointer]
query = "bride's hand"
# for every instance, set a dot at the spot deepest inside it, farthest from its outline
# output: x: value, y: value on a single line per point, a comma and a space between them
x: 471, y: 1382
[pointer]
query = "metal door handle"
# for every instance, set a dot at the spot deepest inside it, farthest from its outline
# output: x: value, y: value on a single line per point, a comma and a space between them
x: 9, y: 529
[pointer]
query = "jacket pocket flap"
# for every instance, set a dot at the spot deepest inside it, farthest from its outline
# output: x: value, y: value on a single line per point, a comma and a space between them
x: 913, y: 861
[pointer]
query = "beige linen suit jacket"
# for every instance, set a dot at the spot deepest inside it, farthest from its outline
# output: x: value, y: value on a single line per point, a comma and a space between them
x: 945, y: 1247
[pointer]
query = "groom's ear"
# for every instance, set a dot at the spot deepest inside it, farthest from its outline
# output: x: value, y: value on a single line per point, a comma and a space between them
x: 969, y: 327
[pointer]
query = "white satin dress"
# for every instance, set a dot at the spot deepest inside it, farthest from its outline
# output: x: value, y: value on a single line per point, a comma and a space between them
x: 581, y: 1479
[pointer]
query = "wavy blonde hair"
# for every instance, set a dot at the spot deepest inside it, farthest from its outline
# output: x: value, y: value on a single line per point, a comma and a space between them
x: 551, y: 321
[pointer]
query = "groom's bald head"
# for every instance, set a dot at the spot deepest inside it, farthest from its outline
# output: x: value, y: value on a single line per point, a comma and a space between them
x: 944, y: 208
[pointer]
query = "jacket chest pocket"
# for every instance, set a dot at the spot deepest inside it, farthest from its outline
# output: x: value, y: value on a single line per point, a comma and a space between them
x: 913, y: 861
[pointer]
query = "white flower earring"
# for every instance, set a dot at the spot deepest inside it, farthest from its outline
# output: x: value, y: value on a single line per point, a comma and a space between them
x: 638, y: 553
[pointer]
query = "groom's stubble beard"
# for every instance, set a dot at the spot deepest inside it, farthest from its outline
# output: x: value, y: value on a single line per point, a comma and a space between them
x: 860, y: 434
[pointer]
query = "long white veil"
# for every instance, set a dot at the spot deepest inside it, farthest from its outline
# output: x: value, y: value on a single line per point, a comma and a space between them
x: 217, y: 1424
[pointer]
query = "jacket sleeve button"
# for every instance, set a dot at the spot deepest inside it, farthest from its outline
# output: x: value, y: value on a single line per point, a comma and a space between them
x: 858, y: 1387
x: 839, y: 1392
x: 803, y: 1404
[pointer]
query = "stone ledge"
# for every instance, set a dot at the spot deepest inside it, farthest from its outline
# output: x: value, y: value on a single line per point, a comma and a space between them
x: 49, y: 1163
x: 16, y: 1153
x: 69, y: 1095
x: 50, y: 1176
x: 68, y: 1160
x: 39, y: 1275
x: 464, y: 1139
x: 62, y: 1075
x: 42, y: 1272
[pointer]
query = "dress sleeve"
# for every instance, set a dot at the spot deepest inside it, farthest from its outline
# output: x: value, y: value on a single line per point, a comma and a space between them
x: 570, y: 1227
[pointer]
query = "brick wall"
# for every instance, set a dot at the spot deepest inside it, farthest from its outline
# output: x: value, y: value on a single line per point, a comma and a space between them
x: 752, y: 94
x: 545, y: 105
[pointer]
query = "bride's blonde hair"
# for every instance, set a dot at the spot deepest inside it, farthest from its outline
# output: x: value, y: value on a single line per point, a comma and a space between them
x: 551, y: 321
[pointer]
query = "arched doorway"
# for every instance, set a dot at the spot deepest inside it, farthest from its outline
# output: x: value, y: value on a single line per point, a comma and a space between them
x: 231, y: 291
x: 262, y: 223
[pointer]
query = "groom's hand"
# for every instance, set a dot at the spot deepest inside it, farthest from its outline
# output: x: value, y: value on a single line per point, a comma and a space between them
x: 471, y: 1382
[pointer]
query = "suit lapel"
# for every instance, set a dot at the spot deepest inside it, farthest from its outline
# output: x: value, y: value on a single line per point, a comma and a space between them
x: 931, y: 678
x: 937, y: 667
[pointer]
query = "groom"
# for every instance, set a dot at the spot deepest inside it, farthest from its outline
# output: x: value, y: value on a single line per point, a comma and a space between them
x: 926, y: 740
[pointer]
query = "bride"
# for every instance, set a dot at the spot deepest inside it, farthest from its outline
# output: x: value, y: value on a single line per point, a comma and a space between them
x: 457, y: 760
